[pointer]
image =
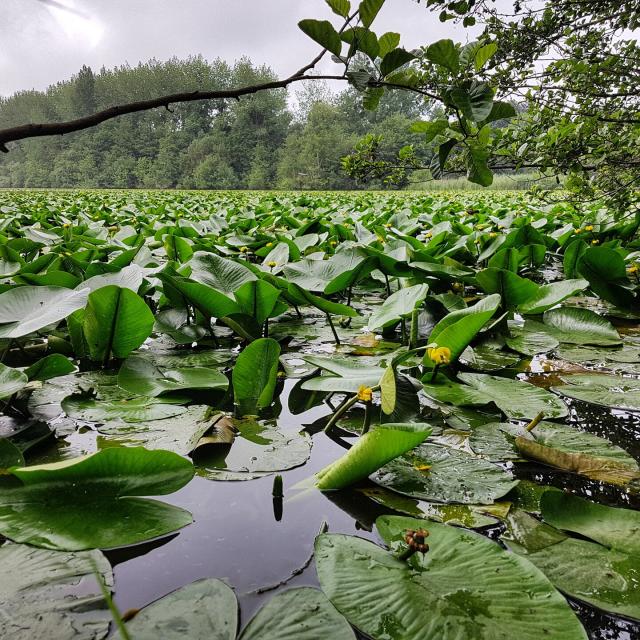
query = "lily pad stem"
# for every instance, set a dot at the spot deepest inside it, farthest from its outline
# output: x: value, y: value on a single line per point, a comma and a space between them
x: 434, y: 373
x: 368, y: 411
x: 333, y: 330
x: 535, y: 422
x: 413, y: 338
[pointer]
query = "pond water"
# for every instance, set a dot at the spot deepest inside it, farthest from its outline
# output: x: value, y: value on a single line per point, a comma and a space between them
x: 238, y: 535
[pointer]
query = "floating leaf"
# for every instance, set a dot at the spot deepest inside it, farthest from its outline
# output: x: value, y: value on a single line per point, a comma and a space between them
x: 517, y: 399
x: 615, y: 392
x: 441, y: 474
x: 89, y: 503
x: 43, y: 598
x: 586, y: 571
x: 140, y: 376
x: 466, y: 586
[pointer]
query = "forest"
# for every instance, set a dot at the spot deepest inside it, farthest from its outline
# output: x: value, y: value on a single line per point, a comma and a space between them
x: 276, y: 139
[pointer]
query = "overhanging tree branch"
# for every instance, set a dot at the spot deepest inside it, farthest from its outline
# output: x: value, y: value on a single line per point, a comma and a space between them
x: 39, y: 130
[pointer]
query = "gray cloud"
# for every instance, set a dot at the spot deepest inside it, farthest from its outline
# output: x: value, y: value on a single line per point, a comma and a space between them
x: 41, y: 45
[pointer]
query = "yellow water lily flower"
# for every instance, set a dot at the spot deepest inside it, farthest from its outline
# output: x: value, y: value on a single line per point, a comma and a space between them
x: 577, y: 230
x: 589, y: 227
x: 595, y: 242
x: 493, y: 234
x: 633, y: 269
x: 244, y: 249
x: 365, y: 393
x: 440, y: 355
x: 272, y: 264
x: 269, y: 244
x: 428, y: 234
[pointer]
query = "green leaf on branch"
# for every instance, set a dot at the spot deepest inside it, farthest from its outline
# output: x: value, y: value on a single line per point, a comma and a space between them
x: 368, y: 10
x: 394, y: 60
x: 445, y: 54
x: 340, y: 7
x: 323, y: 33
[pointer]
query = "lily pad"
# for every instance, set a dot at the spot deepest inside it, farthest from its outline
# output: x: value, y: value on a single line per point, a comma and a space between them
x: 180, y: 434
x: 441, y: 474
x: 142, y: 377
x: 604, y: 578
x: 260, y: 447
x: 86, y: 407
x: 53, y: 594
x: 615, y: 392
x: 466, y: 586
x: 89, y: 503
x: 517, y: 399
x: 574, y: 325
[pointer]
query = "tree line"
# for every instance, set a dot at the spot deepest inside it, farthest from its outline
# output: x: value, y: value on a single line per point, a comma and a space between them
x: 269, y: 140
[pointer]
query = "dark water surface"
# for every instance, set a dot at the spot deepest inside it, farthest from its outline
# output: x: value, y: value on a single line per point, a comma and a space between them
x: 236, y: 536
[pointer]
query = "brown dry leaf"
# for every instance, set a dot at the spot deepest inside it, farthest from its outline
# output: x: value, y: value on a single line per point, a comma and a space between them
x: 601, y: 469
x: 366, y: 340
x: 221, y: 432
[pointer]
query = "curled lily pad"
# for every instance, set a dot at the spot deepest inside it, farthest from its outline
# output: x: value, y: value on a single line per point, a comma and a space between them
x: 89, y: 502
x: 441, y: 474
x: 371, y: 451
x: 53, y: 594
x: 465, y: 586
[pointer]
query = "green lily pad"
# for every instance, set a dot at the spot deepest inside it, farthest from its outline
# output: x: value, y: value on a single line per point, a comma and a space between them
x: 180, y: 434
x: 86, y: 407
x: 466, y: 586
x: 260, y: 447
x: 53, y: 594
x: 573, y: 325
x: 11, y: 381
x: 441, y: 474
x: 518, y: 400
x: 142, y: 377
x: 89, y: 503
x: 615, y: 392
x: 604, y: 578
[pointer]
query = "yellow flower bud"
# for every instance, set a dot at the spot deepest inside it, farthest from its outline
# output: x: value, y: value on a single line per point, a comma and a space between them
x: 577, y: 230
x: 269, y: 244
x: 633, y: 269
x: 244, y: 249
x: 272, y: 263
x: 365, y: 393
x: 589, y: 227
x: 66, y: 225
x: 493, y: 234
x: 428, y: 234
x: 388, y: 225
x: 595, y: 241
x: 333, y: 243
x: 440, y: 355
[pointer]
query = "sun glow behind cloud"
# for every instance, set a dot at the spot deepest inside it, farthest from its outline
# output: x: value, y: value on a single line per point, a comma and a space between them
x: 77, y: 26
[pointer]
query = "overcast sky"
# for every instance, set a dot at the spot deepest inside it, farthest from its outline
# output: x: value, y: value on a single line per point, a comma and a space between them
x: 41, y: 44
